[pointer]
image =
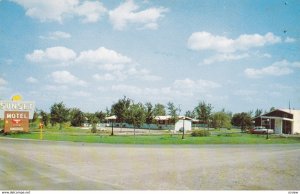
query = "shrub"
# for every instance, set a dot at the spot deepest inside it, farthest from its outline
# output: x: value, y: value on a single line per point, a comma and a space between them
x: 200, y: 133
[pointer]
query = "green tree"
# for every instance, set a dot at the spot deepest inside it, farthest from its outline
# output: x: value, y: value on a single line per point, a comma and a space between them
x: 136, y: 115
x: 242, y: 120
x: 190, y: 114
x: 221, y: 120
x: 45, y: 117
x: 59, y: 114
x: 203, y: 112
x: 173, y: 112
x: 77, y: 117
x: 258, y: 112
x: 35, y: 116
x: 272, y: 109
x: 120, y: 108
x: 149, y: 113
x: 101, y: 116
x: 92, y: 120
x: 159, y: 110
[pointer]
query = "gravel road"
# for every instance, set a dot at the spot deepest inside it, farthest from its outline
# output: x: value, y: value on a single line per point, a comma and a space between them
x: 45, y: 165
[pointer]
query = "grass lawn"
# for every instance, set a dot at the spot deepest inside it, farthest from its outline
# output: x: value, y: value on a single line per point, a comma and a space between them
x: 236, y: 138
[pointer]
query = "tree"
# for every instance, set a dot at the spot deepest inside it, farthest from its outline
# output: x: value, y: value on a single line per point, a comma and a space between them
x: 45, y: 117
x: 59, y: 114
x: 242, y: 120
x: 93, y: 120
x: 172, y: 110
x: 35, y: 116
x: 77, y: 117
x: 136, y: 115
x: 203, y: 112
x: 258, y: 112
x: 149, y: 113
x: 221, y: 120
x: 101, y: 116
x: 190, y: 114
x: 272, y: 109
x: 159, y: 110
x: 119, y: 109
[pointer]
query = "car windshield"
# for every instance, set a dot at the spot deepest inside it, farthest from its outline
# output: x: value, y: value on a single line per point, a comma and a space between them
x: 260, y: 128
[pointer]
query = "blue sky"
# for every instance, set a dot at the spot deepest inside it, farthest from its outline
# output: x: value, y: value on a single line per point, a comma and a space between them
x: 237, y: 55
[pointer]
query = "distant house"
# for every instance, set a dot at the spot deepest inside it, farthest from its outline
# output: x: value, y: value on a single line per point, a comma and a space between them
x: 182, y: 121
x: 110, y: 120
x: 163, y: 120
x: 282, y: 121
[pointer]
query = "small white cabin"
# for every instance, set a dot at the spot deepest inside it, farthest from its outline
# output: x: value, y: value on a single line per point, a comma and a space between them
x: 183, y: 123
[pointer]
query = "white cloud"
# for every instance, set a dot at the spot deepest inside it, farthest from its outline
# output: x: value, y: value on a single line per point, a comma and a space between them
x: 289, y: 40
x: 57, y: 10
x: 55, y: 87
x: 179, y: 88
x: 60, y: 55
x: 224, y: 57
x: 65, y: 77
x: 91, y: 11
x: 102, y: 56
x: 142, y: 74
x: 31, y: 80
x: 126, y: 89
x: 53, y: 10
x: 276, y: 69
x: 2, y: 82
x: 117, y: 66
x: 286, y: 63
x: 112, y: 67
x: 196, y: 84
x: 56, y: 35
x: 127, y: 13
x: 105, y: 77
x: 207, y: 41
x: 81, y: 94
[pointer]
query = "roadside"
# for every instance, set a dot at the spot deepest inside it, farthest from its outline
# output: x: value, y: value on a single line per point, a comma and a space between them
x: 73, y: 166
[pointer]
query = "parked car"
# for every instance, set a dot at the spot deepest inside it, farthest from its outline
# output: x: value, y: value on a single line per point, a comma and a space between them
x: 261, y: 130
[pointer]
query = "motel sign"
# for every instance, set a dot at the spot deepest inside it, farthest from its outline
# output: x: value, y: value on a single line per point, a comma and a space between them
x: 16, y: 114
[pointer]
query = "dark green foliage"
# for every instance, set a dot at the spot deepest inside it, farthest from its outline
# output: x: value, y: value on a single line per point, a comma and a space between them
x: 200, y: 133
x: 242, y: 120
x: 190, y: 114
x: 59, y: 114
x: 77, y: 117
x: 45, y: 117
x: 149, y: 113
x: 221, y: 120
x: 135, y: 115
x: 101, y: 116
x: 159, y: 110
x: 119, y: 108
x: 173, y: 112
x: 203, y: 112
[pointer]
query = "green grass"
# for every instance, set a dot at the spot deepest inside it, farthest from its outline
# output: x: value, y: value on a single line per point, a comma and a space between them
x: 161, y: 139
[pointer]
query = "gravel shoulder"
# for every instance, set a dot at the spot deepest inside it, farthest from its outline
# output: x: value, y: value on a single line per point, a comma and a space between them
x: 45, y: 165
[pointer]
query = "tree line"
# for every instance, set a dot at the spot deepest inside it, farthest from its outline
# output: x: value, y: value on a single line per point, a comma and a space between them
x: 137, y: 114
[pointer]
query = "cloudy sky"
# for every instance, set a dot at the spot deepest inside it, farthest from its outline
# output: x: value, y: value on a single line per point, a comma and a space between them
x: 237, y: 55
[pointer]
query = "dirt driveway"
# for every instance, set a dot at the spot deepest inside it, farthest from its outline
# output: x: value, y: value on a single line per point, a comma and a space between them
x: 36, y: 165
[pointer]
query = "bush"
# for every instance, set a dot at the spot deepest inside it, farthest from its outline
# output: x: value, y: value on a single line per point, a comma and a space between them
x: 200, y: 133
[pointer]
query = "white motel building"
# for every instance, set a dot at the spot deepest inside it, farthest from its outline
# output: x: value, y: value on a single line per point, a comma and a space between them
x: 282, y: 121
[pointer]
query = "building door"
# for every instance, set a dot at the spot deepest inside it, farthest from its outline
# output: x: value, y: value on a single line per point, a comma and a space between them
x: 278, y: 126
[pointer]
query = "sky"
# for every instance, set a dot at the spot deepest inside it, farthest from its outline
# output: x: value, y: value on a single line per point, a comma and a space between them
x: 236, y: 55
